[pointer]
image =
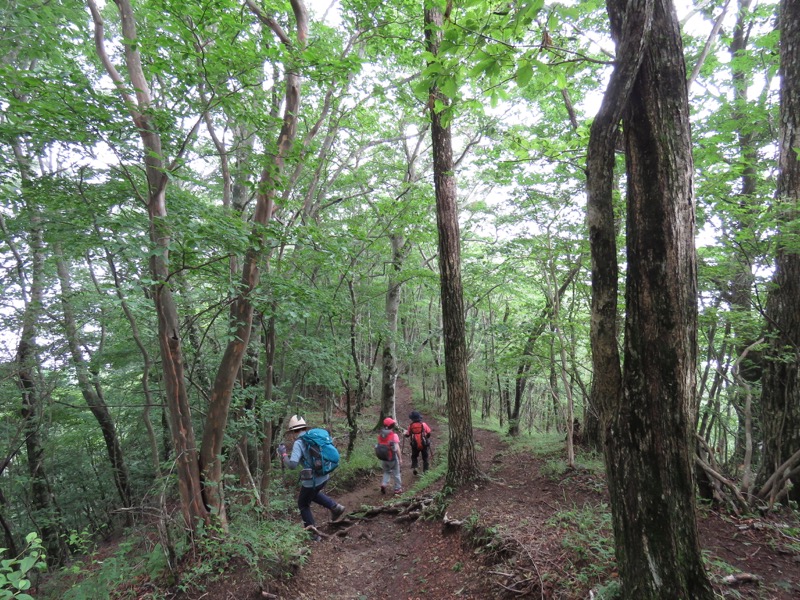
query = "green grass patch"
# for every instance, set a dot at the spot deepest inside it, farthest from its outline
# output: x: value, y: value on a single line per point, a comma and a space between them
x: 265, y: 544
x: 586, y: 532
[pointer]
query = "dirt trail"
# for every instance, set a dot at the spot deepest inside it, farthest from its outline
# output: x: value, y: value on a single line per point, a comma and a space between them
x: 524, y: 554
x: 381, y: 558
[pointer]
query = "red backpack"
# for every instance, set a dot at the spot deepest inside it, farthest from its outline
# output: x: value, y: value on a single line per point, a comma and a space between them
x: 383, y: 449
x: 418, y: 438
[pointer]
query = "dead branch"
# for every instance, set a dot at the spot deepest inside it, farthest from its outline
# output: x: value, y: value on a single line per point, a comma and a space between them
x: 779, y: 477
x: 313, y: 529
x: 389, y: 509
x: 742, y: 503
x: 737, y: 578
x: 448, y: 522
x: 408, y: 516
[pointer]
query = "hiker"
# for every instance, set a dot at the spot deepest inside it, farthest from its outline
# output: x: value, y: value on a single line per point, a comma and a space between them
x: 310, y: 484
x: 420, y: 438
x: 389, y: 446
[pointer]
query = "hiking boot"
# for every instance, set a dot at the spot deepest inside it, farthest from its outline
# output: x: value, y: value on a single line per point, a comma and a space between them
x: 336, y: 512
x: 415, y: 472
x: 316, y: 538
x: 398, y: 491
x: 383, y: 489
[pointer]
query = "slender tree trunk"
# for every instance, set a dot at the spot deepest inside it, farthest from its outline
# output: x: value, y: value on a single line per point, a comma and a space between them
x: 462, y: 464
x: 91, y: 394
x: 780, y: 391
x: 740, y: 287
x: 146, y: 364
x: 172, y: 362
x: 649, y: 412
x: 524, y: 367
x: 45, y: 512
x: 241, y: 315
x: 389, y: 367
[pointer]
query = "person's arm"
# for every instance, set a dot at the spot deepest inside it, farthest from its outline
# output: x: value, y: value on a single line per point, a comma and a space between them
x: 292, y: 461
x: 398, y: 454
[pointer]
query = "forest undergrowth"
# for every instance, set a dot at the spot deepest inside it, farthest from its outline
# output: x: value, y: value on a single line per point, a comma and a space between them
x: 530, y: 528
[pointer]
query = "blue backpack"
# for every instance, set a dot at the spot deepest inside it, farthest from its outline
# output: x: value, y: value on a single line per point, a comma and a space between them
x: 322, y: 457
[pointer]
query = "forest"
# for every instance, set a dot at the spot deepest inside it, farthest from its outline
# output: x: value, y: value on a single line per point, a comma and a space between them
x: 570, y: 218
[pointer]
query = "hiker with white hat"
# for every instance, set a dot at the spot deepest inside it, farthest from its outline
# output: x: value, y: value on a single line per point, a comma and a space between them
x: 311, y: 481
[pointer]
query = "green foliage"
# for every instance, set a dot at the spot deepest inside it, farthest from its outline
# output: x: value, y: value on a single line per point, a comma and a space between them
x: 586, y: 534
x: 267, y: 547
x: 14, y: 572
x: 611, y: 590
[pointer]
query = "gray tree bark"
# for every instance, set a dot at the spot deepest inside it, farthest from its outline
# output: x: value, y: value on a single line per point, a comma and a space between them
x: 462, y: 464
x: 648, y: 410
x: 780, y: 395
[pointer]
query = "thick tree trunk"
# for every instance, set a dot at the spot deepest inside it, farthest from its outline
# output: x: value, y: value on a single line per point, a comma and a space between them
x: 649, y: 413
x: 780, y: 395
x: 462, y: 464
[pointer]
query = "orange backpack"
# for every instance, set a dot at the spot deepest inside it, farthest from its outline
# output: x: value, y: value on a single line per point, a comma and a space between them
x: 418, y: 438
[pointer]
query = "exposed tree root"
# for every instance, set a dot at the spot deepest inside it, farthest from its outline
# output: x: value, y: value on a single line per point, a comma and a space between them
x: 520, y: 574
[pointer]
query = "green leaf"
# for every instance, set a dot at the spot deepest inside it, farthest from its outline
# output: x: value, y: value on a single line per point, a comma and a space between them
x: 524, y: 74
x: 482, y: 67
x: 22, y: 584
x: 28, y: 562
x: 449, y: 87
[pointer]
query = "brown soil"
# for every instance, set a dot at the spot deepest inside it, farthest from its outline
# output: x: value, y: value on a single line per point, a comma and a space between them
x: 512, y: 546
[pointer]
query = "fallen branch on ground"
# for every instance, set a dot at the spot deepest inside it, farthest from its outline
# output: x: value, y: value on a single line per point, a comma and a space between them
x: 737, y: 578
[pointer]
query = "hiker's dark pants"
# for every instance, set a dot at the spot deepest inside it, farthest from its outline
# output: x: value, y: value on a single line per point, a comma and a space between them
x: 415, y: 452
x: 309, y: 495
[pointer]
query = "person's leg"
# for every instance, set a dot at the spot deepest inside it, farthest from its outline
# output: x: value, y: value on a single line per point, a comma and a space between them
x: 398, y: 482
x: 386, y: 466
x: 414, y: 458
x: 322, y: 499
x: 307, y: 495
x: 425, y: 463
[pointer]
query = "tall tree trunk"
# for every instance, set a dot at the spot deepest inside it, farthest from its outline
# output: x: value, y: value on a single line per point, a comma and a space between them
x: 389, y: 367
x: 45, y: 512
x: 186, y: 455
x: 241, y: 315
x: 91, y: 393
x: 649, y: 413
x: 462, y: 464
x: 780, y: 391
x: 742, y: 278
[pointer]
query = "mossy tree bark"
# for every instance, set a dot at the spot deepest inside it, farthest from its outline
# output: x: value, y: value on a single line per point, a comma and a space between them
x: 780, y: 395
x: 648, y: 407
